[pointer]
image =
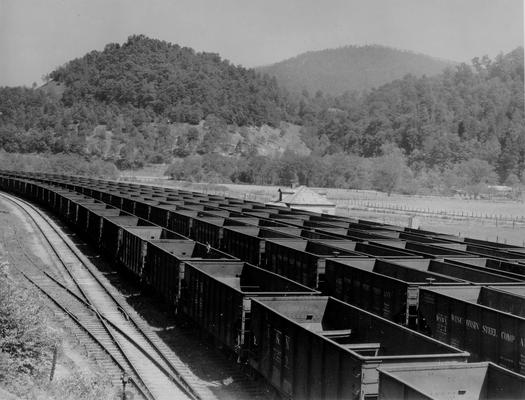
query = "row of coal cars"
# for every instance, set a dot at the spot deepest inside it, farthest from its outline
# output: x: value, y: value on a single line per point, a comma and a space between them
x: 320, y: 306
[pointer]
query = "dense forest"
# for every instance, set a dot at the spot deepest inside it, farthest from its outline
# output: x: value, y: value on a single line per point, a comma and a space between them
x: 148, y: 101
x: 334, y: 71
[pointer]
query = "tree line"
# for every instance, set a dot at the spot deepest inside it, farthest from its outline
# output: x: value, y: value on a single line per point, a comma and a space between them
x: 388, y: 172
x: 149, y: 101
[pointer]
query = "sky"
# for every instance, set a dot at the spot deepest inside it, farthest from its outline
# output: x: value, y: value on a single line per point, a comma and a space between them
x: 36, y: 36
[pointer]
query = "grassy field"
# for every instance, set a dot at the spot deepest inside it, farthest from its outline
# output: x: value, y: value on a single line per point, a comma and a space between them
x: 467, y: 227
x: 502, y: 209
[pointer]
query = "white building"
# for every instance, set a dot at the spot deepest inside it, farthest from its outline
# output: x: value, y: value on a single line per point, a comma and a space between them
x: 304, y: 198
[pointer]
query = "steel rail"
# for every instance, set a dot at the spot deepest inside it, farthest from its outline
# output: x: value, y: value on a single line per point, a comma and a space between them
x: 174, y: 376
x: 137, y: 380
x: 140, y: 387
x: 102, y: 316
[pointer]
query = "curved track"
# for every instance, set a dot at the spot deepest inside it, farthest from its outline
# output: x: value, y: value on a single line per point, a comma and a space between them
x: 82, y: 293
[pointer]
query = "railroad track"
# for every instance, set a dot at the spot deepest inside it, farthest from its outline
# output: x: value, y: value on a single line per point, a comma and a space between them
x: 82, y: 293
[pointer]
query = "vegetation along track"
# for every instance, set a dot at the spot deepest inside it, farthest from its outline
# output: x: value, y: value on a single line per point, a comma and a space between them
x: 82, y: 293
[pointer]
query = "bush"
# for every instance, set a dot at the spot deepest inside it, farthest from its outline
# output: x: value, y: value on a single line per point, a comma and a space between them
x: 26, y: 341
x: 62, y: 163
x: 82, y: 385
x: 389, y: 169
x: 512, y: 180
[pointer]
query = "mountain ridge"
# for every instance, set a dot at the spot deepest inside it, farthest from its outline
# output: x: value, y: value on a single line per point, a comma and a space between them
x: 149, y: 101
x: 375, y: 45
x: 347, y: 68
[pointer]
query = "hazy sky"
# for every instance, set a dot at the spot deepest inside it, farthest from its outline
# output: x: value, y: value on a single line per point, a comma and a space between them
x: 38, y: 35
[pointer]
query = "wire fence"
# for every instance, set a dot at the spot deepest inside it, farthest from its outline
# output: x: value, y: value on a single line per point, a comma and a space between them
x: 443, y: 213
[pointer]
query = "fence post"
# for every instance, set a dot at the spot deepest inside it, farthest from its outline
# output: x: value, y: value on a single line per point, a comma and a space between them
x: 53, y: 363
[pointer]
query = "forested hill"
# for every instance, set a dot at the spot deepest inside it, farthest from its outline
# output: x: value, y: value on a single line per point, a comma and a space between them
x: 171, y: 81
x: 334, y: 71
x: 148, y: 101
